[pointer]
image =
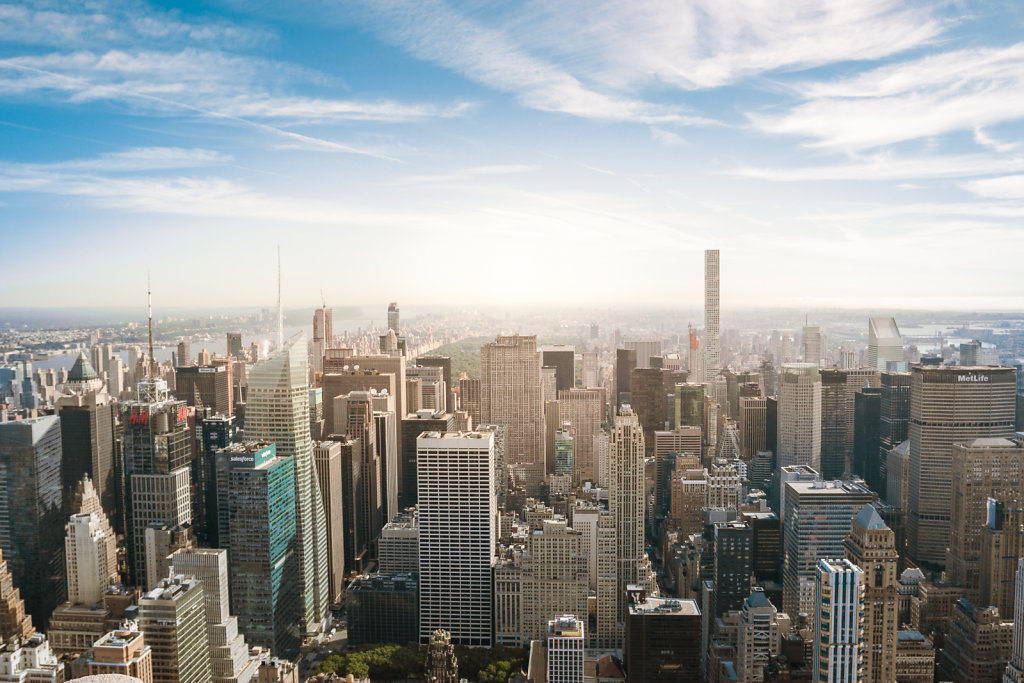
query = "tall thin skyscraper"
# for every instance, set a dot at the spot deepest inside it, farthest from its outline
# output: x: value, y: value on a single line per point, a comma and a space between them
x: 277, y: 411
x: 511, y: 394
x: 87, y: 436
x: 393, y: 318
x: 838, y: 652
x: 799, y: 433
x: 626, y: 501
x: 948, y: 404
x: 156, y: 446
x: 871, y: 545
x: 712, y: 351
x: 811, y: 337
x: 256, y: 516
x: 457, y: 513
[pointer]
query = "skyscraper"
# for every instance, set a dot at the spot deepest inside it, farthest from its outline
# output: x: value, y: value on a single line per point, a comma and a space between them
x: 583, y: 409
x: 591, y: 370
x: 838, y: 651
x: 712, y: 353
x: 562, y: 357
x: 833, y: 424
x: 256, y: 516
x: 753, y: 415
x: 328, y: 469
x: 32, y: 526
x: 511, y: 394
x: 811, y: 342
x: 981, y: 469
x: 626, y: 501
x: 871, y: 545
x: 948, y: 404
x: 625, y: 363
x: 885, y: 344
x: 173, y: 618
x: 87, y: 436
x: 799, y: 432
x: 229, y: 656
x: 277, y: 411
x: 817, y: 518
x: 457, y: 517
x: 157, y: 449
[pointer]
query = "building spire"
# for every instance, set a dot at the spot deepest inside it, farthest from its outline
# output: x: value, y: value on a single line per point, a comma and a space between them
x: 280, y: 317
x: 149, y: 303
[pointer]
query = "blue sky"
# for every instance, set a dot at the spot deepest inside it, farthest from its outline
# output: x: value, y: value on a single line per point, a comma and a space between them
x: 864, y: 153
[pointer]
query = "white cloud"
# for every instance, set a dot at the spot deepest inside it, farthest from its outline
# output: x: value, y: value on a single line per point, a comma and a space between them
x: 667, y: 137
x: 1006, y: 187
x: 885, y: 166
x: 923, y: 98
x: 694, y: 44
x: 83, y: 23
x: 433, y: 31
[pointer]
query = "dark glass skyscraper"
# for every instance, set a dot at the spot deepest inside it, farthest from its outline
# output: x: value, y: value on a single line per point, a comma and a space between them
x: 31, y: 512
x: 256, y: 515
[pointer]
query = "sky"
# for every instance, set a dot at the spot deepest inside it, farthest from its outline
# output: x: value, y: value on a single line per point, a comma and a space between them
x: 852, y: 153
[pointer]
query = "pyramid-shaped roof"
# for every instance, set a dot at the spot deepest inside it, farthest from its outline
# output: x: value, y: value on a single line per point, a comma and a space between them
x: 869, y: 518
x: 82, y: 370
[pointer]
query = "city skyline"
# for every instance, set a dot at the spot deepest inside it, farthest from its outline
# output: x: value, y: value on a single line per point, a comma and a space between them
x: 800, y: 143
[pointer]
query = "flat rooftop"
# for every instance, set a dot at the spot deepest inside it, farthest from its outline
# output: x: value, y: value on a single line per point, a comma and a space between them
x: 666, y: 606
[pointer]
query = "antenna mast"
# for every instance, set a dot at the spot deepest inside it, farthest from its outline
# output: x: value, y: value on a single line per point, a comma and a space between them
x: 280, y: 317
x: 149, y: 304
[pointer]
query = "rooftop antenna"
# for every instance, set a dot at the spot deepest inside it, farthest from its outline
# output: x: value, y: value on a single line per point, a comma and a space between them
x: 280, y: 317
x: 149, y: 303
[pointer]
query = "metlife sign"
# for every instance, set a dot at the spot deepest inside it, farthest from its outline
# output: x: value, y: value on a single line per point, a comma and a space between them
x: 972, y: 379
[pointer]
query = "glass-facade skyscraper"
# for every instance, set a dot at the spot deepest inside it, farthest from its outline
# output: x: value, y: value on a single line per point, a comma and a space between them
x: 31, y: 514
x: 277, y: 411
x: 257, y: 524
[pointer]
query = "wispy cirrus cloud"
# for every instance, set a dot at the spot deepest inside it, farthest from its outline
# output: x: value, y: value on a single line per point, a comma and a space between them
x: 930, y: 96
x: 590, y: 58
x: 81, y: 23
x: 435, y: 32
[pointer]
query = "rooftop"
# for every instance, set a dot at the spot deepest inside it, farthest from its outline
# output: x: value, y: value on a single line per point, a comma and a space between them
x: 666, y: 606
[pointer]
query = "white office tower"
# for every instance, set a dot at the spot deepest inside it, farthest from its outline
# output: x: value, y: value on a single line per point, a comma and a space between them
x: 885, y: 343
x: 90, y: 558
x: 565, y: 650
x: 277, y: 411
x: 712, y: 351
x: 229, y: 655
x: 457, y: 513
x: 811, y: 341
x: 840, y: 630
x: 591, y: 370
x: 1015, y: 668
x: 626, y: 498
x: 799, y: 431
